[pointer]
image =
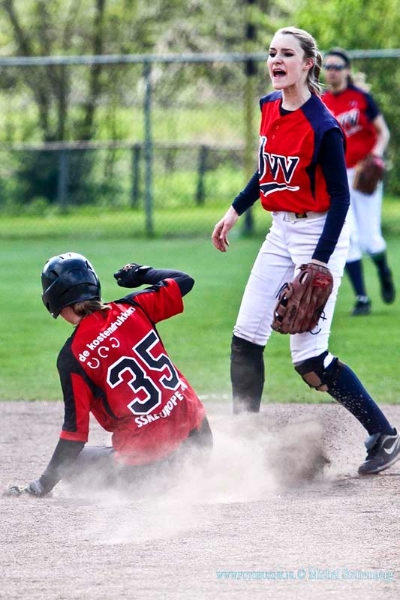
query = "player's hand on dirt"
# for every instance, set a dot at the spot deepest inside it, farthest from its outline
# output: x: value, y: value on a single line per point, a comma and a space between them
x: 131, y: 275
x: 34, y: 488
x: 220, y: 234
x: 13, y: 490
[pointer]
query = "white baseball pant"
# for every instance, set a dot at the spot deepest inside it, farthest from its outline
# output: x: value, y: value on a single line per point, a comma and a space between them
x: 364, y: 220
x: 290, y: 242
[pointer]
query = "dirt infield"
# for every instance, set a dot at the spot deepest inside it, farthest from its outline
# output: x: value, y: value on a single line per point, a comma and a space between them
x: 270, y: 519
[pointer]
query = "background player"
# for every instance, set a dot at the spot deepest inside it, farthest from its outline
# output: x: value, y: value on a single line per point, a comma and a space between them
x: 367, y: 133
x: 301, y: 179
x: 115, y: 366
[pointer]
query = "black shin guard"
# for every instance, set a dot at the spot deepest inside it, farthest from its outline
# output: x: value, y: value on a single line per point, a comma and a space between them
x: 316, y: 375
x: 247, y: 375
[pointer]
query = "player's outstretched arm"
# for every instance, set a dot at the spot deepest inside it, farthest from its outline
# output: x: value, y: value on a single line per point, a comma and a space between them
x: 134, y: 275
x: 220, y: 234
x: 65, y: 454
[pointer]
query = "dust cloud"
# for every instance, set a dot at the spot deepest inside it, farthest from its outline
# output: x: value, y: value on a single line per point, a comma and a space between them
x: 249, y: 463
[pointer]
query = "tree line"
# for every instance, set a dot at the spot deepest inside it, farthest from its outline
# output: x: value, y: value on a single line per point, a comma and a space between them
x: 95, y: 27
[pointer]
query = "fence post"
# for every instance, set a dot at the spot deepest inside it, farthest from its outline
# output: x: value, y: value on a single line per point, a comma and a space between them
x: 136, y: 151
x: 148, y: 151
x: 250, y: 67
x: 201, y: 171
x: 62, y: 183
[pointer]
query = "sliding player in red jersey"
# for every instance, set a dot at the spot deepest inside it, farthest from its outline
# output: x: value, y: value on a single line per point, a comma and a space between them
x: 115, y: 367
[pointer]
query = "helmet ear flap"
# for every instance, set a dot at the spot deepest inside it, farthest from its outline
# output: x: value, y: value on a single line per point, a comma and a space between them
x: 67, y: 279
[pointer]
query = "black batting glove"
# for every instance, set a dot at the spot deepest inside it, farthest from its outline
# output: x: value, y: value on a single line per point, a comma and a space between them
x: 131, y: 275
x: 35, y: 488
x: 13, y: 490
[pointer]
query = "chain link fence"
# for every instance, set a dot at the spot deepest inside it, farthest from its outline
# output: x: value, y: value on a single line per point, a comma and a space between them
x: 154, y: 145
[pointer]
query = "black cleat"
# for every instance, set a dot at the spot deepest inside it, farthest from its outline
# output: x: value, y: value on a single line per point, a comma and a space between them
x: 382, y: 452
x: 362, y: 306
x: 388, y: 291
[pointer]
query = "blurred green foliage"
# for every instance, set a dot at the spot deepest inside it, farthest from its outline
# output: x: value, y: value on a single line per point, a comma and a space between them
x: 195, y: 103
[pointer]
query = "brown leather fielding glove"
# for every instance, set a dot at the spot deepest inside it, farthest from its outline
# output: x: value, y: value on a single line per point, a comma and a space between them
x: 368, y: 173
x: 302, y: 302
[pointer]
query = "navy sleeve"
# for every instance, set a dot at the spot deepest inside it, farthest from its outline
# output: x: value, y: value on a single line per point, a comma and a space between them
x: 248, y: 196
x: 332, y: 161
x: 373, y: 110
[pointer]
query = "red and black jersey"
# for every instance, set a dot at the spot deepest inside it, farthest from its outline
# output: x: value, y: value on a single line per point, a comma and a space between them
x: 355, y: 110
x: 115, y: 366
x: 290, y: 176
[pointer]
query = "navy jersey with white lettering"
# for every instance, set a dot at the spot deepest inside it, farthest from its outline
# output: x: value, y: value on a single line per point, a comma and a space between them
x: 115, y: 366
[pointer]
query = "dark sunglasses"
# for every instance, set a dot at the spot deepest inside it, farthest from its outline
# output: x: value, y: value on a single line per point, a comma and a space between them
x: 334, y: 67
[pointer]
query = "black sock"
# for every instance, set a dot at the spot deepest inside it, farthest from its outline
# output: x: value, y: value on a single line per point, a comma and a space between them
x: 247, y: 375
x: 350, y: 392
x: 380, y: 261
x: 354, y: 270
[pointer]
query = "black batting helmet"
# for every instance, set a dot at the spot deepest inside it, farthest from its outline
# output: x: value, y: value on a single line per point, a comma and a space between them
x: 67, y: 279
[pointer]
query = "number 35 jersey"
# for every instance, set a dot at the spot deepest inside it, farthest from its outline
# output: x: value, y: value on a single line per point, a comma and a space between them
x: 115, y: 366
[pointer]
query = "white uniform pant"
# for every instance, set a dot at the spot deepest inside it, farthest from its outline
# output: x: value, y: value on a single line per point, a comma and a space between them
x: 290, y: 242
x: 364, y: 219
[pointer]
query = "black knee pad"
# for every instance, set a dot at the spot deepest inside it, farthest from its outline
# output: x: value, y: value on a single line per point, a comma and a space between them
x: 247, y: 375
x: 316, y: 375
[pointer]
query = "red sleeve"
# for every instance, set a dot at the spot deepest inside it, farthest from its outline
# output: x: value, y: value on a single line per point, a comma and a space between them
x: 161, y: 301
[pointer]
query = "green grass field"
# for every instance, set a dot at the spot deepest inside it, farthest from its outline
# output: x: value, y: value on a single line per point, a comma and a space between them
x: 199, y: 339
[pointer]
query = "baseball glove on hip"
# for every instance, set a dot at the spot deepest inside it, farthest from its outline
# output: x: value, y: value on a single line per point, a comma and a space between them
x: 368, y: 173
x: 302, y: 302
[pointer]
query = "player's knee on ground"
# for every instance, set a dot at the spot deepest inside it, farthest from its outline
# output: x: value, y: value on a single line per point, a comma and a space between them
x: 247, y: 375
x: 319, y: 372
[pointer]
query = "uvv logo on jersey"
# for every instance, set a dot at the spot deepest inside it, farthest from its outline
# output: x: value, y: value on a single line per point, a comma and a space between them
x: 350, y: 121
x: 279, y: 166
